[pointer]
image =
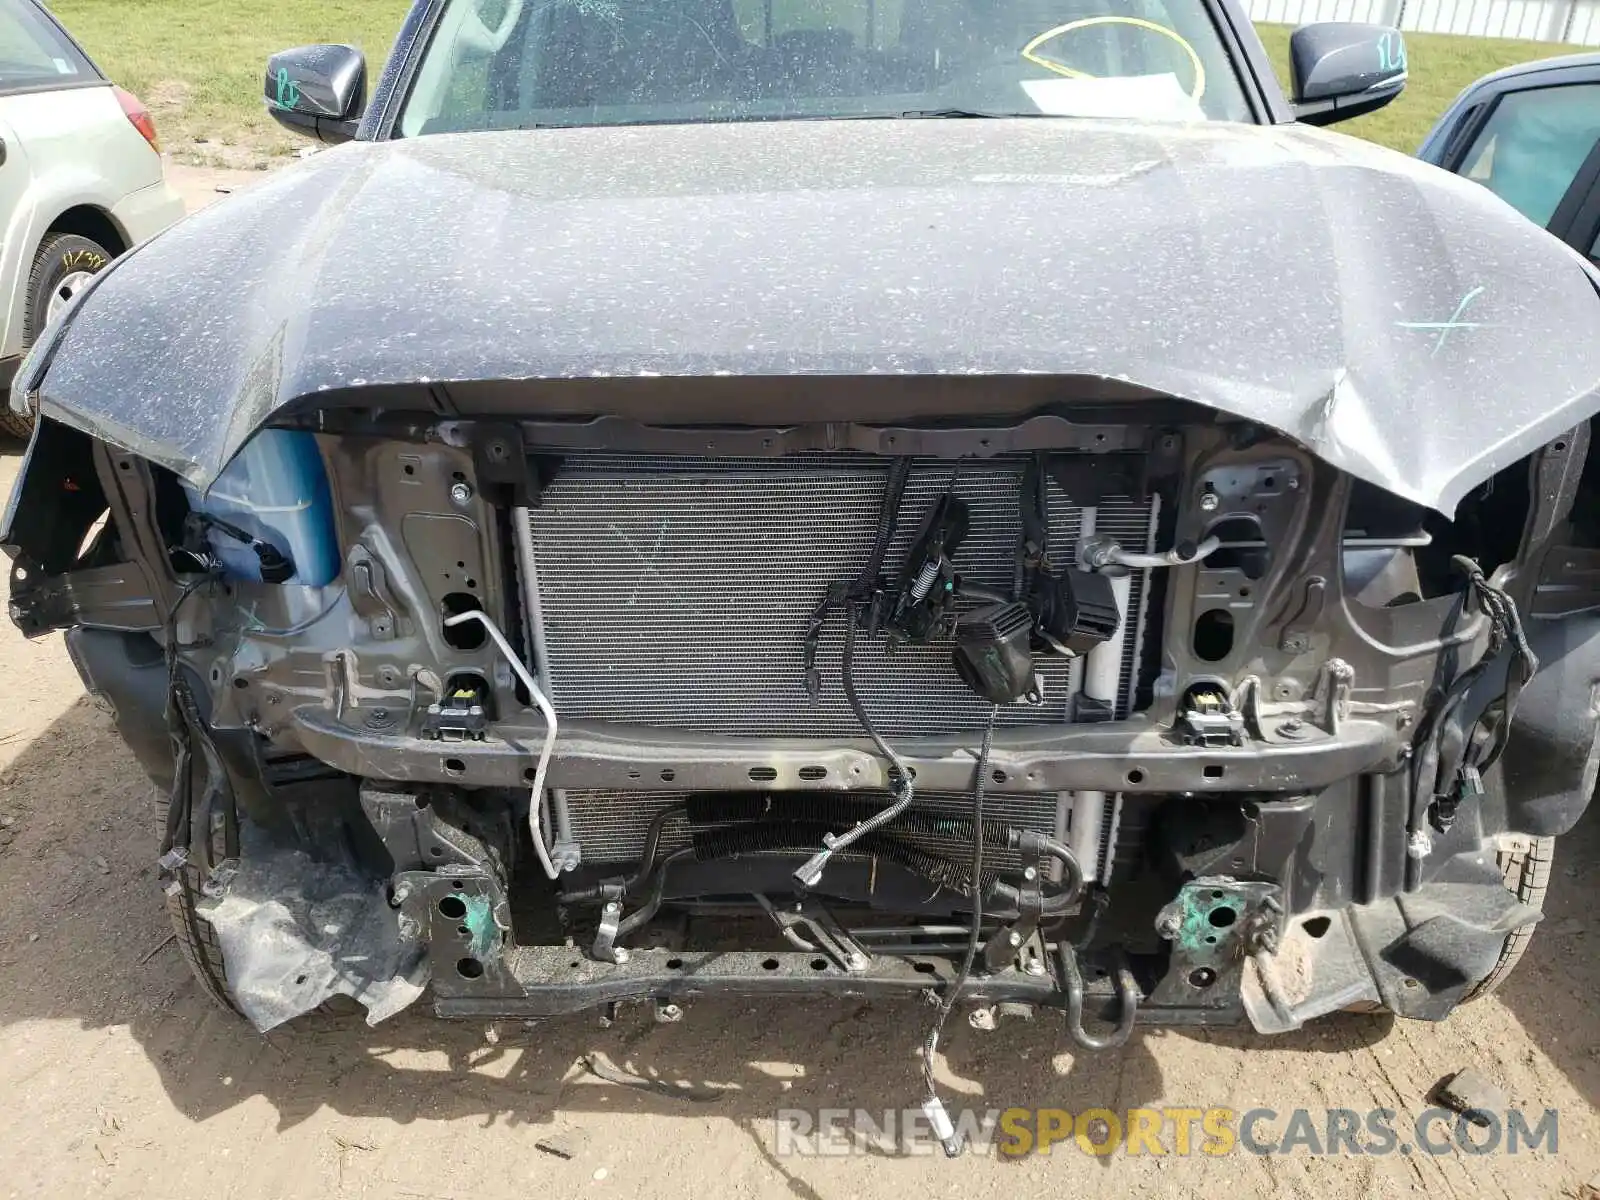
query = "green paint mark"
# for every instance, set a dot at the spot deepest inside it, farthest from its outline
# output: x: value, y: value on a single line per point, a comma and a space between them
x: 1392, y: 52
x: 1198, y: 935
x: 288, y: 89
x: 481, y: 927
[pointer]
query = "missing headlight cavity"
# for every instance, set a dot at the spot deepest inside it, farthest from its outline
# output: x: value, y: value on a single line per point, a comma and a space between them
x: 1213, y: 635
x: 1385, y: 538
x: 1243, y: 547
x: 468, y: 635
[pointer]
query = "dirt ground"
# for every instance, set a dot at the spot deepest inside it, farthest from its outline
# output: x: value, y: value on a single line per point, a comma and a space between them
x: 121, y: 1080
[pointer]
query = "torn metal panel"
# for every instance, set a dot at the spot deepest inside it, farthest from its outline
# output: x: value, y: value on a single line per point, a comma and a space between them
x: 1403, y: 324
x: 296, y: 932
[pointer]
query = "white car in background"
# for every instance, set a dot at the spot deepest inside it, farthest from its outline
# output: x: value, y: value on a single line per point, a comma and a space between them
x: 81, y: 179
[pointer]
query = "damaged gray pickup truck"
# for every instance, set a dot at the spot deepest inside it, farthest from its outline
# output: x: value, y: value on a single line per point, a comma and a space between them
x: 639, y: 524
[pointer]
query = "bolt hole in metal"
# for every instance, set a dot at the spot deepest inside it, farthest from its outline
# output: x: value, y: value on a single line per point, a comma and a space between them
x: 812, y: 774
x: 463, y: 931
x: 674, y: 964
x: 452, y: 908
x: 770, y: 964
x: 454, y: 766
x: 1202, y: 977
x: 241, y: 683
x: 1213, y: 770
x: 1222, y: 917
x: 668, y: 776
x: 998, y: 776
x: 819, y: 964
x: 926, y: 968
x: 1136, y: 776
x: 1317, y: 927
x: 436, y: 851
x: 469, y: 968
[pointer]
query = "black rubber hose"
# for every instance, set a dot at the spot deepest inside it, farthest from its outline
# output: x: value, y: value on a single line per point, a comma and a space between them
x: 658, y: 890
x: 1058, y: 902
x: 810, y: 872
x: 652, y: 844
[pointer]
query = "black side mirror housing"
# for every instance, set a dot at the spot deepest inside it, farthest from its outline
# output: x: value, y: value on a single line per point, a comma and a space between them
x: 1342, y: 69
x: 318, y: 91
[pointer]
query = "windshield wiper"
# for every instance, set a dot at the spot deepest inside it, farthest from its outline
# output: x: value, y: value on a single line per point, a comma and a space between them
x: 934, y: 114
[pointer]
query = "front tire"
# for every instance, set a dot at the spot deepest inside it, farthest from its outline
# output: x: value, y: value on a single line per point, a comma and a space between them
x: 1527, y: 877
x: 63, y: 265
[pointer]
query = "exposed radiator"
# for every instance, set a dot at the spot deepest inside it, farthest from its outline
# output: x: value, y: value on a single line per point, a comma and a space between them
x: 675, y: 591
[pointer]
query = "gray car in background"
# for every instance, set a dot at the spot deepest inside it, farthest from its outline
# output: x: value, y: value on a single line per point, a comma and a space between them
x: 1531, y: 135
x: 81, y: 179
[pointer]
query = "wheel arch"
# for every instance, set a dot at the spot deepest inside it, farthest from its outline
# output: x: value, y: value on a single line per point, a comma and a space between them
x: 90, y: 221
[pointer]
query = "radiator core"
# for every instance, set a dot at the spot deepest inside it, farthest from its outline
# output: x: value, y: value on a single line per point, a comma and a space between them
x: 674, y: 592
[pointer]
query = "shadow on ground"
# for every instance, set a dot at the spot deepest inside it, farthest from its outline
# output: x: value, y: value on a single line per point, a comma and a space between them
x: 82, y: 939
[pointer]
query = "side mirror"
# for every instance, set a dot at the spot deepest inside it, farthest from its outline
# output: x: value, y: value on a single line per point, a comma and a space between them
x: 1342, y: 69
x: 318, y: 91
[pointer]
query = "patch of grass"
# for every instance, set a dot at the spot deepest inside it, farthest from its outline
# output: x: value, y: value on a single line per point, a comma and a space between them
x: 199, y: 65
x: 1441, y: 66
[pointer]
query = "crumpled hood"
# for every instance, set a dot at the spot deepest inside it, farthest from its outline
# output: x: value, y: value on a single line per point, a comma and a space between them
x: 1403, y: 324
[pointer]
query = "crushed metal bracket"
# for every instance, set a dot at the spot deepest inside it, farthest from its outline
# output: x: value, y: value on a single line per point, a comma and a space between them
x: 1214, y: 924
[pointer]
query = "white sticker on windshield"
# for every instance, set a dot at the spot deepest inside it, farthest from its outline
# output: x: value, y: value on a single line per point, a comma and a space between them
x: 1145, y: 97
x: 63, y: 67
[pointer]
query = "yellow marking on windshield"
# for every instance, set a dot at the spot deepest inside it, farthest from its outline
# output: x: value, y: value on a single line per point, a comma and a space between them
x: 1029, y: 51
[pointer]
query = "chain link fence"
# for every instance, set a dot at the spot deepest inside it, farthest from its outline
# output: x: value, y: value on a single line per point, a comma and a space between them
x: 1573, y: 21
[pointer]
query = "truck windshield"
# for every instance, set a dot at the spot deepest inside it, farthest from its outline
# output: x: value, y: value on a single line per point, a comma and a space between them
x: 496, y: 64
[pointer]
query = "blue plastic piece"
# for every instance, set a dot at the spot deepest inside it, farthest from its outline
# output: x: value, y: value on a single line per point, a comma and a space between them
x: 276, y: 490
